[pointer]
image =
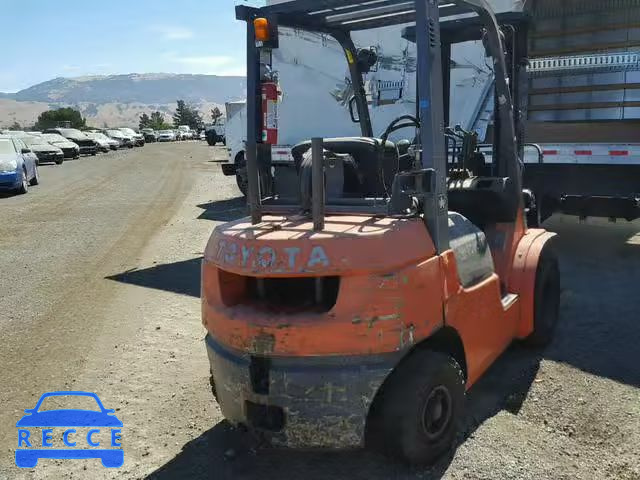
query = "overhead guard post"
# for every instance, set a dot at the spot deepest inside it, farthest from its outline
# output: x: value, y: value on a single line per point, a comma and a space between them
x: 431, y: 115
x: 317, y: 180
x: 253, y: 118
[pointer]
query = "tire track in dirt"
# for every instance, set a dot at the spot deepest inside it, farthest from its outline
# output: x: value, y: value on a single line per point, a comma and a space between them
x: 40, y: 208
x: 47, y: 352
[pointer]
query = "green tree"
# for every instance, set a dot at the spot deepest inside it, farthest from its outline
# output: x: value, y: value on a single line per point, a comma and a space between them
x: 187, y: 115
x: 53, y: 118
x: 196, y: 123
x: 15, y: 126
x: 145, y: 121
x: 181, y: 117
x: 216, y: 115
x: 157, y: 121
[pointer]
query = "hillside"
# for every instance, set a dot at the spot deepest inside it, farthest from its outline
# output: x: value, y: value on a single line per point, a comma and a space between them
x: 120, y: 99
x: 149, y: 88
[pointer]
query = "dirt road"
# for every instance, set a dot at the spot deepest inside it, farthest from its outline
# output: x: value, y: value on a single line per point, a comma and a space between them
x: 99, y: 292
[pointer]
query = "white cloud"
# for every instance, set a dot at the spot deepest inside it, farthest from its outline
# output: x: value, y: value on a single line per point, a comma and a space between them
x: 173, y: 32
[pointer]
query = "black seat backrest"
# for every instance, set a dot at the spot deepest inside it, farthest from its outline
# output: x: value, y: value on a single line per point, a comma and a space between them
x: 484, y: 200
x: 376, y: 165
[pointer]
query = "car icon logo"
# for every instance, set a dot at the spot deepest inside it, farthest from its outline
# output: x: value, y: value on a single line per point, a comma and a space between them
x: 102, y: 427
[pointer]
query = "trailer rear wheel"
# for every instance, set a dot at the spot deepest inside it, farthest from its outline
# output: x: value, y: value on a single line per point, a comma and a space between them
x: 546, y: 299
x: 242, y: 179
x: 416, y: 415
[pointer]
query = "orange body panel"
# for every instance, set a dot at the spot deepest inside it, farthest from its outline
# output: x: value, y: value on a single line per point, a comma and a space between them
x: 386, y: 300
x: 373, y: 314
x: 485, y: 326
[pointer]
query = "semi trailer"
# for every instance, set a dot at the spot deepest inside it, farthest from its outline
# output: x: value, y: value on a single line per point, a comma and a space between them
x: 583, y: 108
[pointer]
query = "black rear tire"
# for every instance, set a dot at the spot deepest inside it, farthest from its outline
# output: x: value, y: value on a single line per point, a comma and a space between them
x: 60, y: 161
x: 416, y: 415
x: 212, y: 138
x: 546, y: 300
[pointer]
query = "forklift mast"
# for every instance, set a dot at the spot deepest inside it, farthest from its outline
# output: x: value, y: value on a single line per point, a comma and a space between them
x: 339, y: 18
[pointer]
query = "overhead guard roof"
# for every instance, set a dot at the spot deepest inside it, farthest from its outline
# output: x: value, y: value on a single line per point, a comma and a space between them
x: 468, y: 29
x: 325, y: 15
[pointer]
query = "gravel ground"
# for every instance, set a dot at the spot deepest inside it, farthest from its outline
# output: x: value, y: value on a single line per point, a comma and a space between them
x: 100, y: 290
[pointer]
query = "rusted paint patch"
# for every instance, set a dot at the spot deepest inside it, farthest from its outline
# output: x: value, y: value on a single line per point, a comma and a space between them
x: 371, y: 321
x: 263, y: 344
x: 406, y: 336
x: 383, y: 318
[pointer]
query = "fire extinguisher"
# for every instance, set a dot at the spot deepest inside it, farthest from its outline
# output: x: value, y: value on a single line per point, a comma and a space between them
x: 270, y: 113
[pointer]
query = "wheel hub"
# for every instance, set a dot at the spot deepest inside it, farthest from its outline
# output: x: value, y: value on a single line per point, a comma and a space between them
x: 437, y: 411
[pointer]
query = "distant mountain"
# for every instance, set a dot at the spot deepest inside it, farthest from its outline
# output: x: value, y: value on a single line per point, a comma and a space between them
x: 153, y: 88
x: 120, y: 99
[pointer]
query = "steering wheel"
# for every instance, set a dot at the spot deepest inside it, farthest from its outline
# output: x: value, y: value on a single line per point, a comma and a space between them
x: 397, y: 124
x: 411, y: 121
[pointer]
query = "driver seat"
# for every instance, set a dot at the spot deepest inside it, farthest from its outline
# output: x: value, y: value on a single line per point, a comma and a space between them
x: 375, y: 166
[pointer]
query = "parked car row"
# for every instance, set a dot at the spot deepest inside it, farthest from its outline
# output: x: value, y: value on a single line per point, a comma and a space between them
x: 183, y: 132
x: 22, y: 152
x: 103, y: 142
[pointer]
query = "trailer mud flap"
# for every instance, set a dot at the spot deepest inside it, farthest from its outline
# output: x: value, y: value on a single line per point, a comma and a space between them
x: 596, y: 206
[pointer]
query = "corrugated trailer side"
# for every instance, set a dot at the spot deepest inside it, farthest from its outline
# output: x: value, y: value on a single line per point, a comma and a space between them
x: 584, y: 107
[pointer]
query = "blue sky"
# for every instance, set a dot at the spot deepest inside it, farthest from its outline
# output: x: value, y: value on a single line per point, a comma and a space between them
x: 44, y: 39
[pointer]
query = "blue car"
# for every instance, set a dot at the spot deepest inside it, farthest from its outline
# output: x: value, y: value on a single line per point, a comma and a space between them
x: 69, y: 418
x: 18, y: 166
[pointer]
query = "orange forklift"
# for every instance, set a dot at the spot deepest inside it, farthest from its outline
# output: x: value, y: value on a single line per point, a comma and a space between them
x: 359, y: 309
